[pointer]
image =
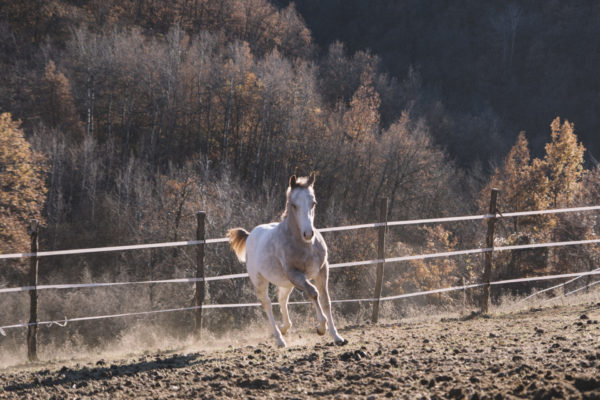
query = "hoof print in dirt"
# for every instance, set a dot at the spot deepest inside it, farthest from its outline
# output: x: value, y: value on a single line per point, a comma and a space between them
x: 456, y: 393
x: 254, y: 384
x: 551, y: 393
x: 356, y: 355
x: 443, y: 378
x: 308, y: 358
x: 274, y: 376
x: 585, y: 384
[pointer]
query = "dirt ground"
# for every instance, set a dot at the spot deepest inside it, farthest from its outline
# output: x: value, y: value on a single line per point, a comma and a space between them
x: 539, y: 354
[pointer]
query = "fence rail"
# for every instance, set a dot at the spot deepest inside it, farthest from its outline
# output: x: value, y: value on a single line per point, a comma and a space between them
x: 552, y: 288
x: 332, y: 266
x: 381, y: 260
x: 240, y: 305
x: 329, y: 229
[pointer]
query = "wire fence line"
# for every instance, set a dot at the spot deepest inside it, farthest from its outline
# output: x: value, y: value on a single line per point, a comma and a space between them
x: 461, y: 218
x: 330, y: 229
x: 551, y: 288
x: 582, y: 288
x: 333, y: 266
x: 111, y: 248
x: 62, y: 323
x: 560, y: 296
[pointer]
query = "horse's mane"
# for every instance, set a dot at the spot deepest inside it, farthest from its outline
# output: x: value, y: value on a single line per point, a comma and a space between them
x: 303, y: 182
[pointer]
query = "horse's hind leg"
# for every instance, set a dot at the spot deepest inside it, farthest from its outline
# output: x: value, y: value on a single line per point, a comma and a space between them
x: 262, y: 292
x: 284, y: 295
x: 321, y: 282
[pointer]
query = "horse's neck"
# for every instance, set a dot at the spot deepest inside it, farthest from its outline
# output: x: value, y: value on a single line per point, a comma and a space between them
x: 297, y: 252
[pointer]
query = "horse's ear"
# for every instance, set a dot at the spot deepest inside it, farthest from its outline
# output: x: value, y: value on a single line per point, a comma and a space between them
x: 293, y: 181
x: 312, y: 178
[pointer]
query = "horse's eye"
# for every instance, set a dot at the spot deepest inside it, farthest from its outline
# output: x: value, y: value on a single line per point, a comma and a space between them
x: 294, y: 206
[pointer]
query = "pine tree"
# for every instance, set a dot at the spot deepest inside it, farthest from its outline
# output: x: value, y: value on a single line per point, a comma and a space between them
x: 563, y: 163
x: 514, y: 177
x: 523, y: 186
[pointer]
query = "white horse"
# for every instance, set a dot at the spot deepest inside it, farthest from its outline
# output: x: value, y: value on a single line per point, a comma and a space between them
x: 289, y: 254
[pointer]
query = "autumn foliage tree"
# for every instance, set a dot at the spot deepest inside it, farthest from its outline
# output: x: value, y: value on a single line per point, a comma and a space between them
x: 564, y: 168
x: 421, y: 275
x: 563, y: 163
x: 528, y: 185
x: 22, y: 186
x: 362, y: 118
x: 55, y: 101
x: 523, y: 185
x: 587, y: 225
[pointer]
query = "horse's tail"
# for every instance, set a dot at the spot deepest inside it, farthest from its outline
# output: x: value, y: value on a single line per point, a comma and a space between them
x: 237, y: 240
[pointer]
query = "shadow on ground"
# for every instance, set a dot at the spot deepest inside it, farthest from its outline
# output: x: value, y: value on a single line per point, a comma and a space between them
x: 76, y: 377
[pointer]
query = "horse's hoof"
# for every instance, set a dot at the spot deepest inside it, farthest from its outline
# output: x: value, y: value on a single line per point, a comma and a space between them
x: 320, y: 331
x: 280, y: 342
x: 341, y: 342
x: 284, y: 329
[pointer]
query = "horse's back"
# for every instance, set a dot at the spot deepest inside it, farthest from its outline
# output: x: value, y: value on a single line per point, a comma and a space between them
x: 260, y: 235
x: 261, y: 257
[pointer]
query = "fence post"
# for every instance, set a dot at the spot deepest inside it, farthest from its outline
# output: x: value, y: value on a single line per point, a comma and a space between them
x: 489, y: 256
x: 464, y: 293
x: 383, y: 205
x: 200, y: 285
x: 33, y: 299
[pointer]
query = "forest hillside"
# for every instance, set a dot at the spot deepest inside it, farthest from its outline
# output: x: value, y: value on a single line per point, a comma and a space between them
x: 486, y: 70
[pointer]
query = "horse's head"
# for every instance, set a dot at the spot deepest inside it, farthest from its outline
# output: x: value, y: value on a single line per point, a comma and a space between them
x: 301, y: 204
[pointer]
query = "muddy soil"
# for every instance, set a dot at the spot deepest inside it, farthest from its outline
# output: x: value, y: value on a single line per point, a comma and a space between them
x: 539, y: 354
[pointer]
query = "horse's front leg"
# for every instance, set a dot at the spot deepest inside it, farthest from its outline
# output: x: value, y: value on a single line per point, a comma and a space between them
x: 322, y: 283
x: 300, y: 281
x: 284, y: 295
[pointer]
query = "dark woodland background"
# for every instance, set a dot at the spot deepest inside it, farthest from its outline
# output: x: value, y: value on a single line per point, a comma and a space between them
x: 494, y: 68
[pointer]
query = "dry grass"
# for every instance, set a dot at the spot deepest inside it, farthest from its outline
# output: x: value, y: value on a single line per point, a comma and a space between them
x: 173, y: 332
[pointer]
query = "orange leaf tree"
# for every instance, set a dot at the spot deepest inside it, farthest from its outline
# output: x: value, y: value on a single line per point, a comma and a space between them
x: 564, y: 163
x: 22, y: 186
x: 538, y: 184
